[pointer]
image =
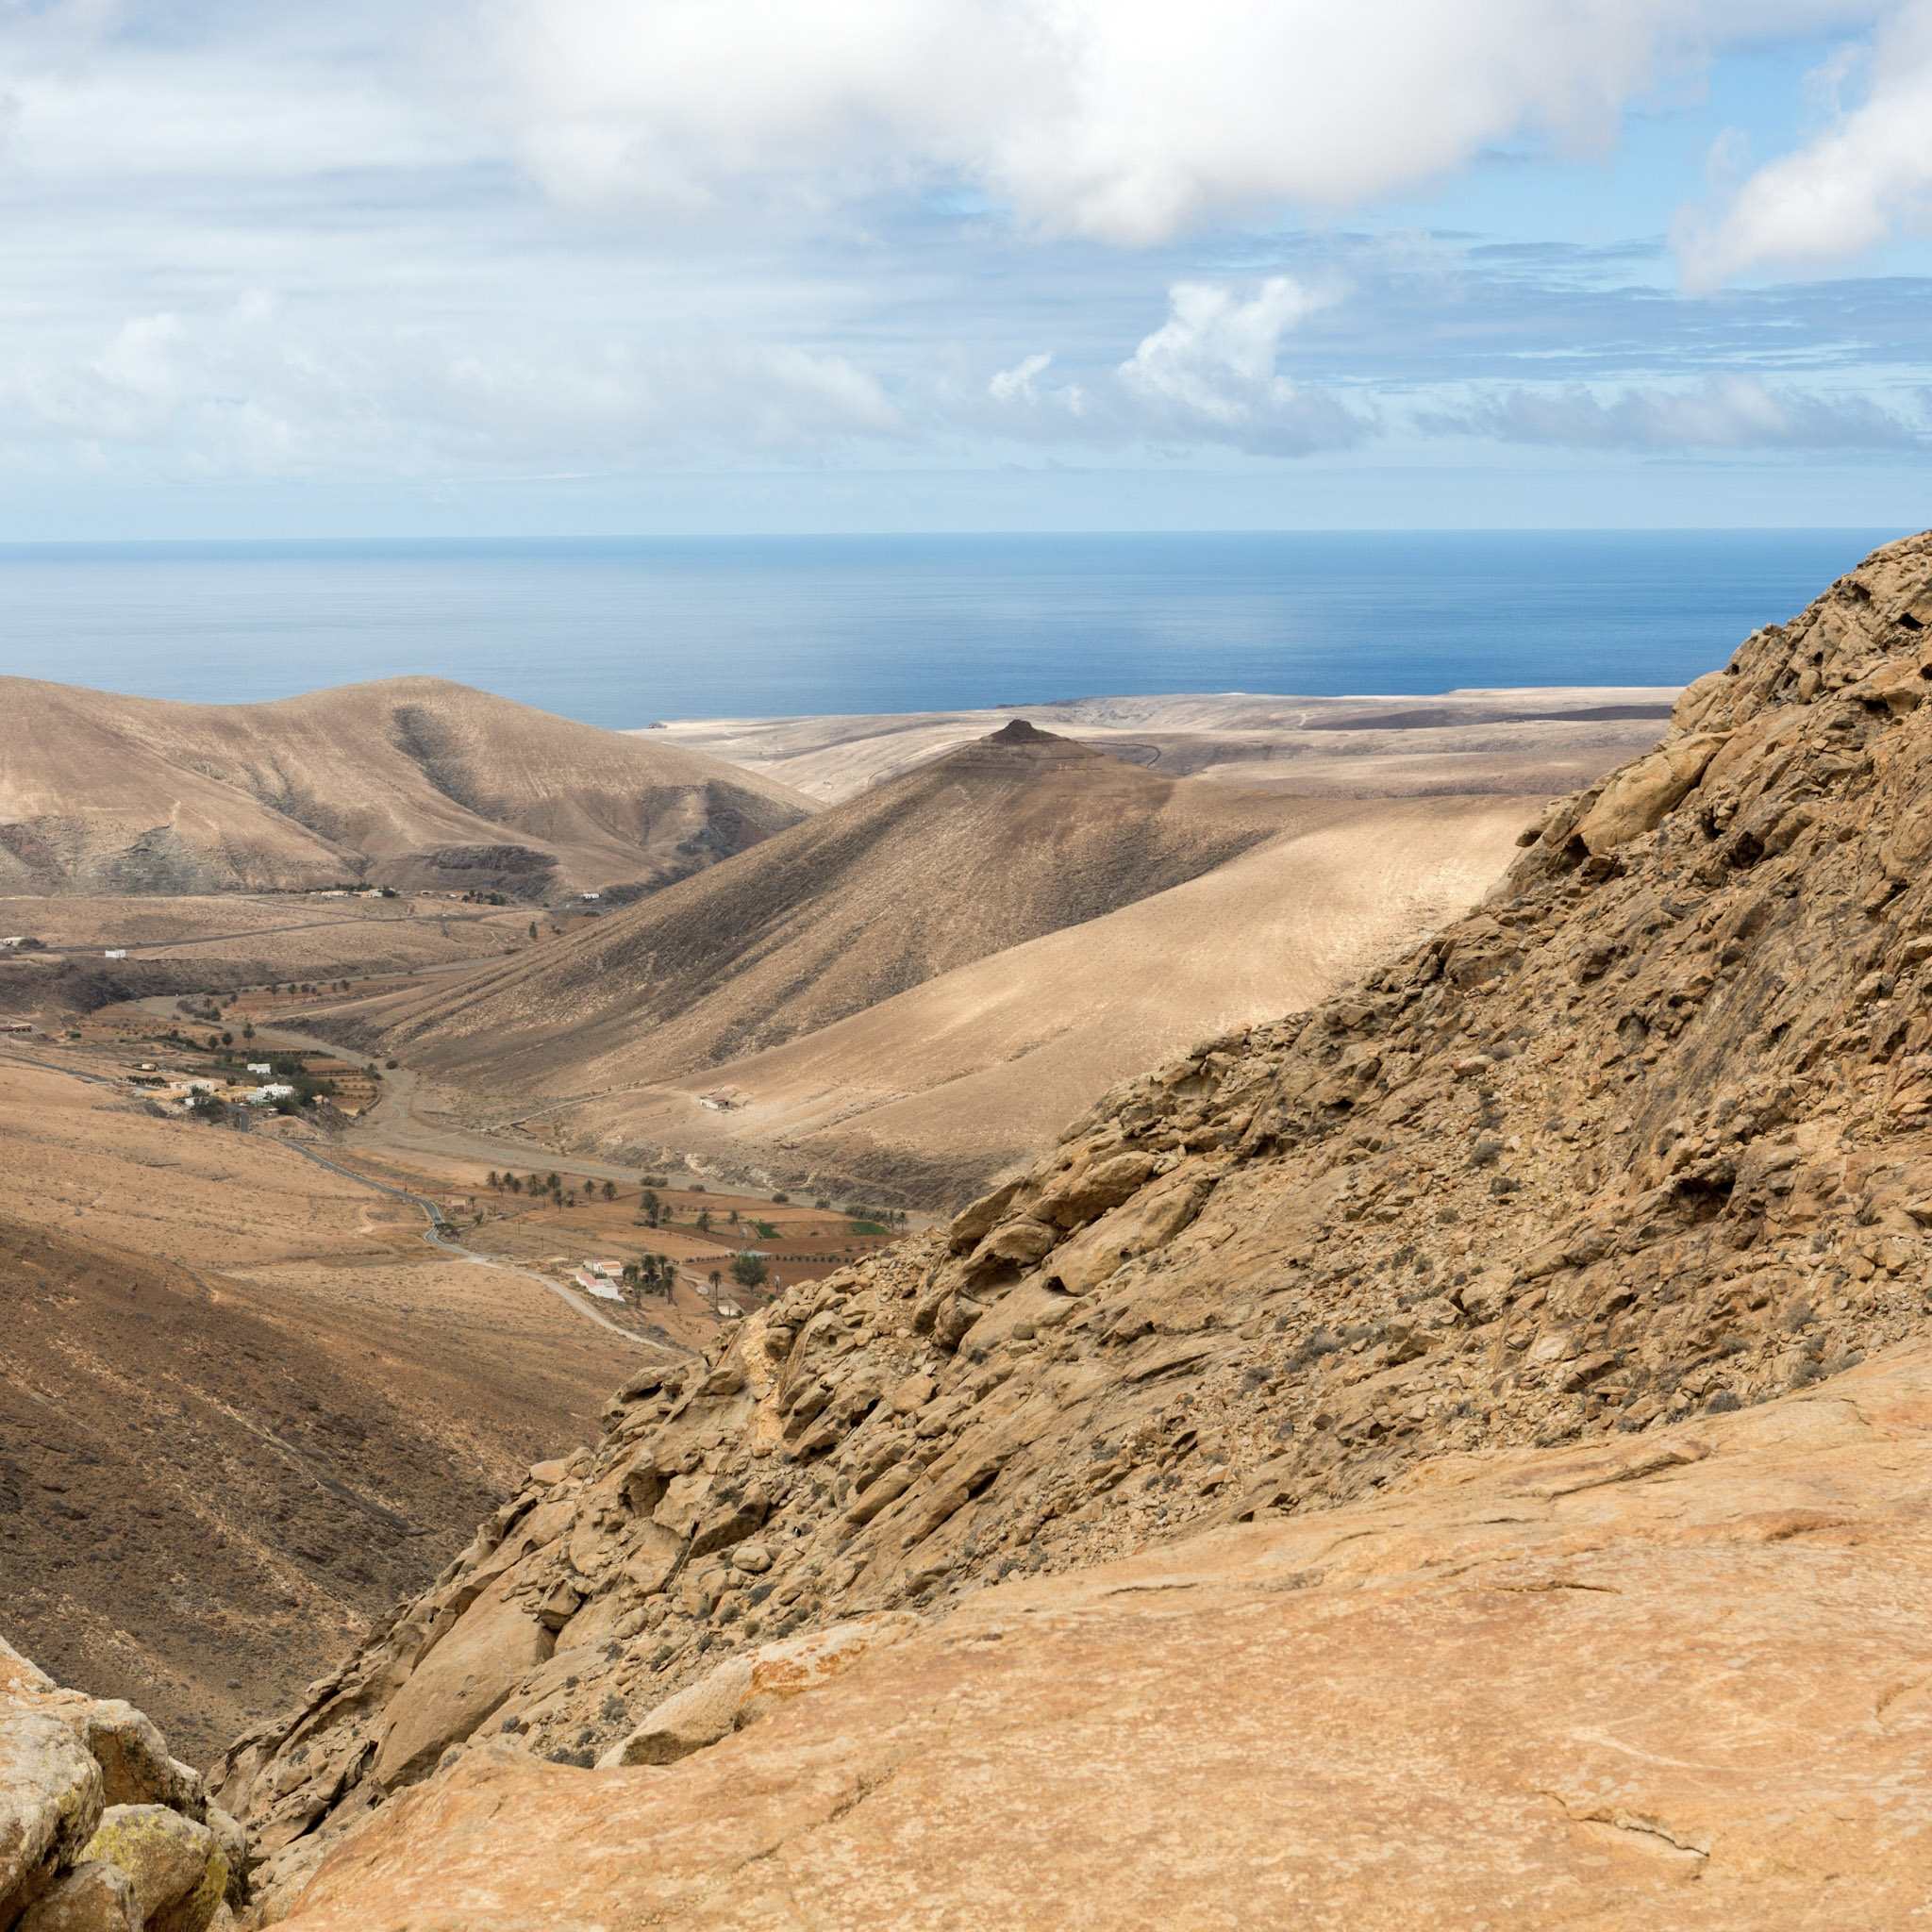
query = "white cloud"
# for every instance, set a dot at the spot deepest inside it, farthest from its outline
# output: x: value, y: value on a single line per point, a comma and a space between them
x: 1214, y: 355
x: 1723, y: 413
x: 1018, y: 380
x: 247, y: 390
x: 1857, y: 182
x: 1130, y: 120
x: 1207, y: 376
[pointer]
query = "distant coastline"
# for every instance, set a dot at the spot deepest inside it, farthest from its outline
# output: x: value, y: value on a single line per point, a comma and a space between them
x: 622, y: 632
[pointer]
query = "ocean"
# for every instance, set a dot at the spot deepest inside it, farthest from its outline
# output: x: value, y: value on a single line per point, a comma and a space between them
x: 622, y: 632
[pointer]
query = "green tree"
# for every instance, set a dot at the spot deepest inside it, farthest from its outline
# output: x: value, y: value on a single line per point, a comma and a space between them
x: 609, y: 1191
x: 749, y: 1271
x: 705, y: 1221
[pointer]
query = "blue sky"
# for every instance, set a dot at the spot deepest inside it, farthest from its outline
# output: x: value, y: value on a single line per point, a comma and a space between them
x: 583, y: 266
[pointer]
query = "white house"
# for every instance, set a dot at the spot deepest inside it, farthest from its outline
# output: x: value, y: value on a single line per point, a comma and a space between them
x: 268, y: 1094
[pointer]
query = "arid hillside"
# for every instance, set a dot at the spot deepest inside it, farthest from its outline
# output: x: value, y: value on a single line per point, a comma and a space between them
x: 243, y: 1406
x: 999, y: 841
x: 904, y: 995
x: 935, y: 1093
x: 1630, y: 1165
x: 410, y: 782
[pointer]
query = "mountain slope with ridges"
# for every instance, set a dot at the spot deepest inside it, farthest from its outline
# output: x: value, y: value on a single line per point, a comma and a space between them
x: 1013, y: 836
x: 1643, y: 1140
x: 408, y: 782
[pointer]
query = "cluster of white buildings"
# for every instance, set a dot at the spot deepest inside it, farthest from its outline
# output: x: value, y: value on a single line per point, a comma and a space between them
x: 600, y: 1278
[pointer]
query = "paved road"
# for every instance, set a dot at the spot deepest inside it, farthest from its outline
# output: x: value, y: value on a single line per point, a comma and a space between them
x: 437, y: 1239
x: 434, y: 1235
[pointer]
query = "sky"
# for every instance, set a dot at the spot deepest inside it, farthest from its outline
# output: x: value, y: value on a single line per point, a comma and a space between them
x: 492, y: 267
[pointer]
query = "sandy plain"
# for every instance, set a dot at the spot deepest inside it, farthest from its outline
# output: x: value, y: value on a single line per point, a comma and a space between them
x: 1549, y: 739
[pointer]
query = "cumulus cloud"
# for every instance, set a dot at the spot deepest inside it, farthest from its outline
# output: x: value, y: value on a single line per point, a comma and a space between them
x: 1129, y: 120
x: 1016, y: 384
x: 1723, y: 413
x: 1214, y: 355
x: 1862, y: 178
x: 1207, y: 376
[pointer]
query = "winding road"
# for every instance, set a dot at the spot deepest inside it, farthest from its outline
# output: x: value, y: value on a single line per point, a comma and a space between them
x: 433, y: 1235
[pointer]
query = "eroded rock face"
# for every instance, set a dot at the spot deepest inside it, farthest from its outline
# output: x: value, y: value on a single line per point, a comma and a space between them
x: 1641, y: 1142
x: 1670, y: 1679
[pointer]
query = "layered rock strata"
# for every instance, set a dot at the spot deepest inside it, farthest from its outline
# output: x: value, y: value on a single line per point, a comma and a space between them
x: 1677, y: 1679
x: 1639, y: 1143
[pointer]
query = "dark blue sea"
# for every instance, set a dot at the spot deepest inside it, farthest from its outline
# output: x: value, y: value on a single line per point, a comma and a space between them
x: 620, y: 632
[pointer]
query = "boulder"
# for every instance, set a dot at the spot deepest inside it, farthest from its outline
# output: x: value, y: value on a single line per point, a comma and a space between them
x: 178, y: 1873
x: 654, y: 1555
x: 1149, y: 1220
x: 134, y: 1758
x: 50, y: 1803
x: 492, y: 1647
x: 1095, y: 1188
x: 93, y: 1897
x: 1636, y: 798
x: 746, y: 1687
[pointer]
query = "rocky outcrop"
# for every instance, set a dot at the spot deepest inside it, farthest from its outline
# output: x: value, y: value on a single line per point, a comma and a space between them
x: 101, y: 1829
x: 1672, y: 1680
x: 1638, y: 1144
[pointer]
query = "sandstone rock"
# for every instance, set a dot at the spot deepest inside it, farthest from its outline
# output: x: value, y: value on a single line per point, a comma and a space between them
x: 655, y: 1555
x: 177, y: 1869
x: 1150, y: 1219
x: 643, y: 1483
x: 1518, y: 1711
x: 915, y: 1392
x: 461, y: 1682
x: 50, y: 1803
x: 737, y: 1693
x: 233, y: 1843
x: 1636, y: 798
x: 731, y: 1523
x: 973, y: 1223
x: 1092, y: 1190
x: 93, y: 1897
x: 685, y: 1499
x: 1016, y: 1243
x: 136, y: 1766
